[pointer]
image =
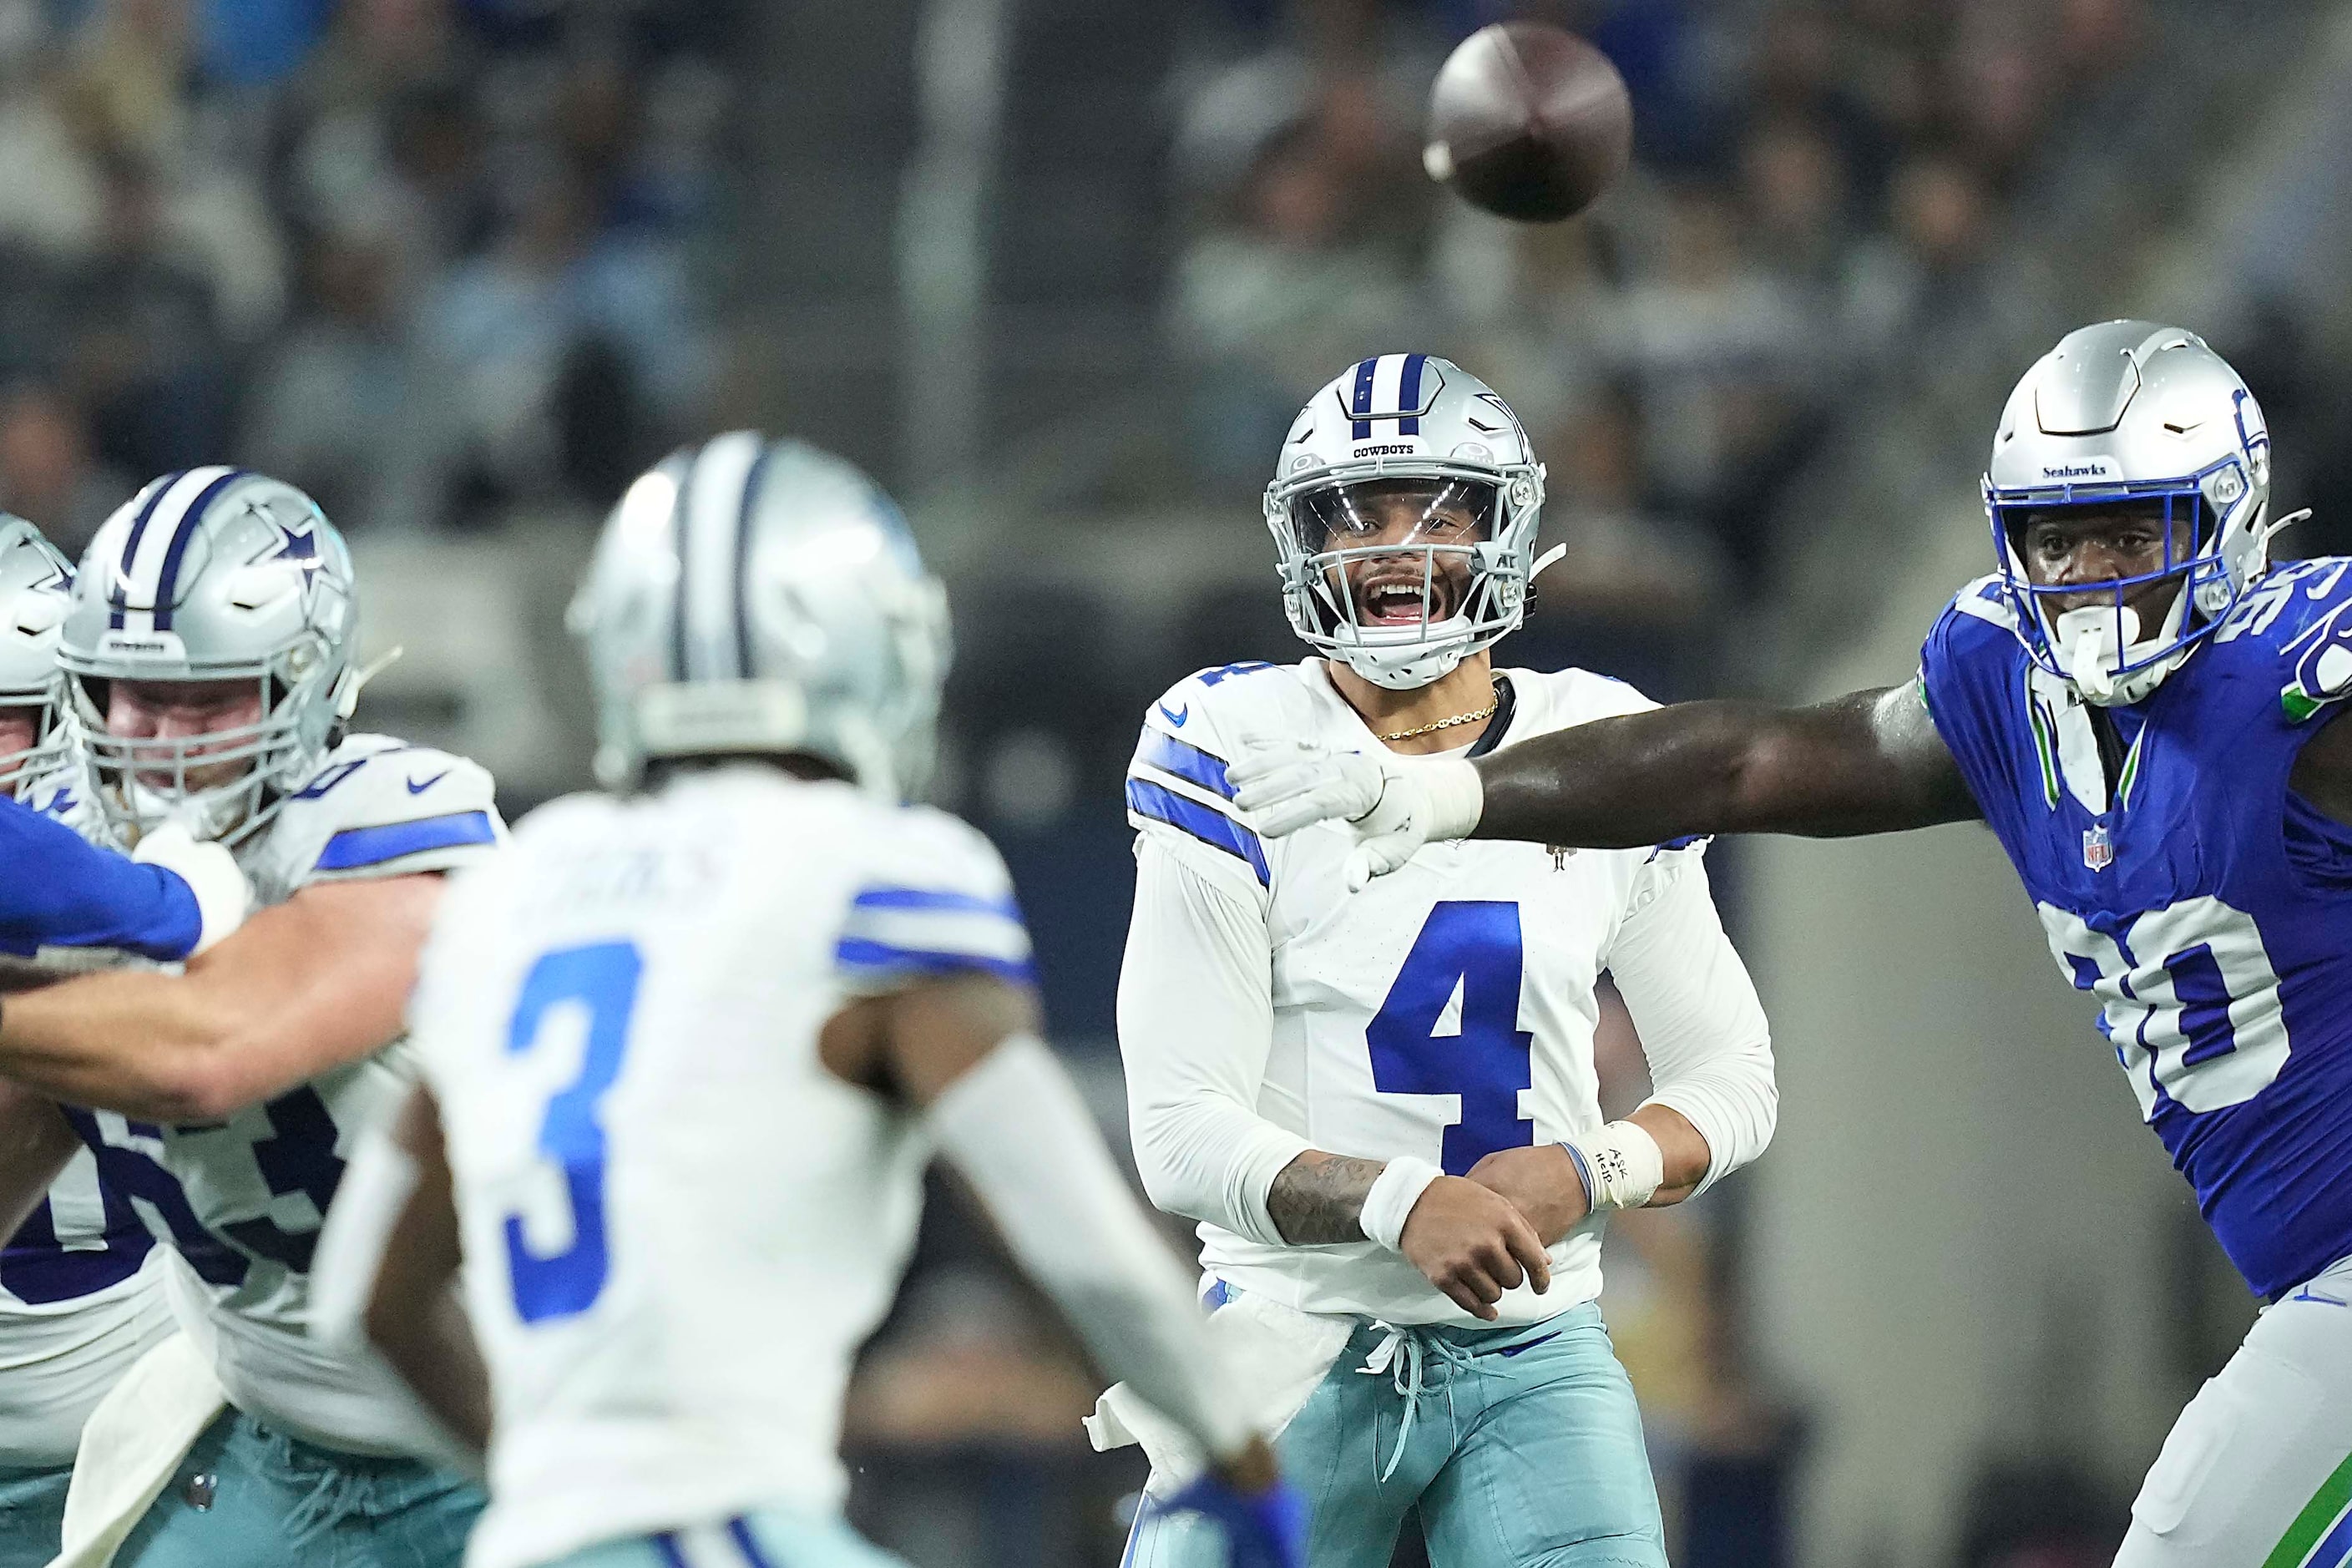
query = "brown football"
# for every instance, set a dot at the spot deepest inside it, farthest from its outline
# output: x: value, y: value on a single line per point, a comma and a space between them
x: 1528, y: 121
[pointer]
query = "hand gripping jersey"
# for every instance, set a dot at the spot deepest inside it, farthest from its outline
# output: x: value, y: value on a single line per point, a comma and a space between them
x: 241, y: 1201
x: 679, y: 1226
x: 2180, y: 881
x: 80, y: 1295
x: 1445, y: 1012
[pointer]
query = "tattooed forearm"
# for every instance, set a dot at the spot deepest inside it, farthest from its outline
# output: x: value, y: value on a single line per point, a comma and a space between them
x: 1318, y: 1198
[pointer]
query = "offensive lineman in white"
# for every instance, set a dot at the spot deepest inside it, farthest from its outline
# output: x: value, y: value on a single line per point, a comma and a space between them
x: 685, y: 1052
x: 1382, y: 1106
x: 209, y: 657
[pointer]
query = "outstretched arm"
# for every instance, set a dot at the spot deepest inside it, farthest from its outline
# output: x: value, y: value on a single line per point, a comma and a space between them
x: 1869, y: 762
x: 309, y: 985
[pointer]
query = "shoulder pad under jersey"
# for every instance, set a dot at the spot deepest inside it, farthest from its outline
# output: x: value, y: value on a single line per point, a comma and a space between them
x: 2298, y: 618
x: 377, y: 807
x: 932, y: 897
x: 1176, y: 783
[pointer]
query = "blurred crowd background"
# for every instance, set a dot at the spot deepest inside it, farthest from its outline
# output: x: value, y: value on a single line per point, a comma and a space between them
x: 1059, y: 272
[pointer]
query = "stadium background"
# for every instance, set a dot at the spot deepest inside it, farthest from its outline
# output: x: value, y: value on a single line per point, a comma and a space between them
x: 1058, y: 273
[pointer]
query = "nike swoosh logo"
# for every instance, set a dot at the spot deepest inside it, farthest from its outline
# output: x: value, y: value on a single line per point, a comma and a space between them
x: 1176, y: 715
x: 415, y: 788
x: 1528, y: 1344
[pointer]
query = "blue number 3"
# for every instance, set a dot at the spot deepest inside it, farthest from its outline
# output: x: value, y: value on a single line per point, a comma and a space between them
x: 604, y: 980
x: 1473, y: 947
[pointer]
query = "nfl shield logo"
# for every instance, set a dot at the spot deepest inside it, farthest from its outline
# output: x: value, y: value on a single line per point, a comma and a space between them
x: 2098, y: 849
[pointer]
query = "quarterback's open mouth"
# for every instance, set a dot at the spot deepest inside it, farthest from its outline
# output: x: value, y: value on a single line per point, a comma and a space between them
x: 1396, y: 601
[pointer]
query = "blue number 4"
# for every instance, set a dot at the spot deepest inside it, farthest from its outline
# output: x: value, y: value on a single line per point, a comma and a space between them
x: 1473, y: 948
x: 604, y: 980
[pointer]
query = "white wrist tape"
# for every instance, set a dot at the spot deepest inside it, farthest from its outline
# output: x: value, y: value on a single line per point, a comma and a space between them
x: 1457, y: 797
x: 1622, y: 1165
x: 1389, y: 1203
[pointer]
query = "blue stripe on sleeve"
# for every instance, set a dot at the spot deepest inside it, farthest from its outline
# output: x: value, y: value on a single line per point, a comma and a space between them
x: 1187, y: 761
x: 939, y: 901
x: 858, y: 952
x: 357, y: 846
x: 1211, y: 827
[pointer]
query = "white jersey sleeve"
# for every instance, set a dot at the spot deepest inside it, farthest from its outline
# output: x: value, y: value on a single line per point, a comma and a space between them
x: 1696, y: 1009
x: 1195, y: 1029
x: 933, y: 899
x: 378, y: 808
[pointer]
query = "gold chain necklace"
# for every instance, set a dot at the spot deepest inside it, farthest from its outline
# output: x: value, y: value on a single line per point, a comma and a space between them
x: 1485, y: 712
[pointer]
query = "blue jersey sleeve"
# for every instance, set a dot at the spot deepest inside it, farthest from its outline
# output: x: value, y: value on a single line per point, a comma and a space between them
x: 1969, y: 671
x: 60, y: 891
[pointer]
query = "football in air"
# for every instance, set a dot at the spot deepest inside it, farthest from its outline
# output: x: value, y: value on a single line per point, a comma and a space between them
x: 1528, y: 121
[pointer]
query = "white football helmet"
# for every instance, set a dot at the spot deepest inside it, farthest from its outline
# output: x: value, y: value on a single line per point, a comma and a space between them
x: 1417, y: 430
x: 751, y: 596
x: 36, y: 584
x: 2132, y: 411
x: 215, y: 573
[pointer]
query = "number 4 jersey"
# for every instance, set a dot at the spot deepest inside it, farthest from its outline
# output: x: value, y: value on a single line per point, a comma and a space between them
x: 1445, y: 1012
x: 2181, y: 881
x: 241, y: 1200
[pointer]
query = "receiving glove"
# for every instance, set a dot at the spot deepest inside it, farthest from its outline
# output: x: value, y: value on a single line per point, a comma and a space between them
x: 211, y: 873
x: 1264, y: 1529
x: 1392, y: 805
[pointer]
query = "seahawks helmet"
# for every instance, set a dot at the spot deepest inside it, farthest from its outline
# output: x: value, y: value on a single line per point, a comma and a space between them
x: 35, y: 584
x: 1415, y: 447
x: 2133, y: 412
x: 763, y: 596
x: 213, y: 574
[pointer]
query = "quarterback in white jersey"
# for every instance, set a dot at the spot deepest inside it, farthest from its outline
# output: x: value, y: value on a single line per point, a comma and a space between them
x: 208, y: 656
x: 1382, y: 1106
x: 687, y: 1049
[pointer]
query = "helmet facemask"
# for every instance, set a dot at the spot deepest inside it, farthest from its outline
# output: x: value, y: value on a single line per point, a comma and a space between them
x: 2103, y: 645
x: 1401, y: 577
x: 224, y: 785
x: 19, y: 765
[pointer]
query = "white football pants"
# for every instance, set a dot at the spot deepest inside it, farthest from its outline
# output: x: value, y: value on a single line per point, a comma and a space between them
x: 2257, y: 1472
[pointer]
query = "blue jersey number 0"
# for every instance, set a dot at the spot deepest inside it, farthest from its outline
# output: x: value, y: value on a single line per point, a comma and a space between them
x: 603, y: 980
x: 1473, y: 948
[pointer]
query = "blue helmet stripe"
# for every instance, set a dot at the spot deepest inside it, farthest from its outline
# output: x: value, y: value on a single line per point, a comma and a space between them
x: 1363, y: 406
x: 167, y: 581
x: 120, y: 601
x: 1408, y: 394
x: 743, y: 562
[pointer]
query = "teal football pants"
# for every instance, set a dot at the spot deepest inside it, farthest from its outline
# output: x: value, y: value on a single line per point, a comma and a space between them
x: 32, y: 1513
x: 249, y: 1497
x: 770, y: 1537
x: 1522, y: 1446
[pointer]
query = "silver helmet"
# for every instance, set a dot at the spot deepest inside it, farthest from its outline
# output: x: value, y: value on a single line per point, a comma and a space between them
x: 1413, y: 448
x: 753, y: 596
x: 34, y: 585
x: 2138, y: 412
x: 213, y: 574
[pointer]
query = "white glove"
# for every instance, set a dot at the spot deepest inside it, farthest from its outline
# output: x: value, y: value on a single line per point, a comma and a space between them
x: 211, y: 873
x: 1392, y: 805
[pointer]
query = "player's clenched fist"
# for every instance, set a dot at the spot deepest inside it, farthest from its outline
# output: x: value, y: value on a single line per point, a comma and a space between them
x: 1472, y: 1244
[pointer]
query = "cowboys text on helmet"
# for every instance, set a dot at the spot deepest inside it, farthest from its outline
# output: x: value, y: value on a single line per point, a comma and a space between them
x: 1403, y: 509
x: 221, y: 577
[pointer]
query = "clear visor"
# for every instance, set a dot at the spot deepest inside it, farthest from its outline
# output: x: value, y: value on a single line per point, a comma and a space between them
x: 1393, y: 556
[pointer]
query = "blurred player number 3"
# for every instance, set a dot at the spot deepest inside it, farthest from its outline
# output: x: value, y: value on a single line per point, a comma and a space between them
x: 597, y: 984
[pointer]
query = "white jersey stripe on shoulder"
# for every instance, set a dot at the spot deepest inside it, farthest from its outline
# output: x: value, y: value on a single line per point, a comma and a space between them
x: 713, y: 512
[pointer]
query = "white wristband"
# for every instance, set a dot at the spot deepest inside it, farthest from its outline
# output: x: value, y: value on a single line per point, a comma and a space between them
x: 1389, y: 1203
x: 1457, y: 797
x: 1622, y: 1165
